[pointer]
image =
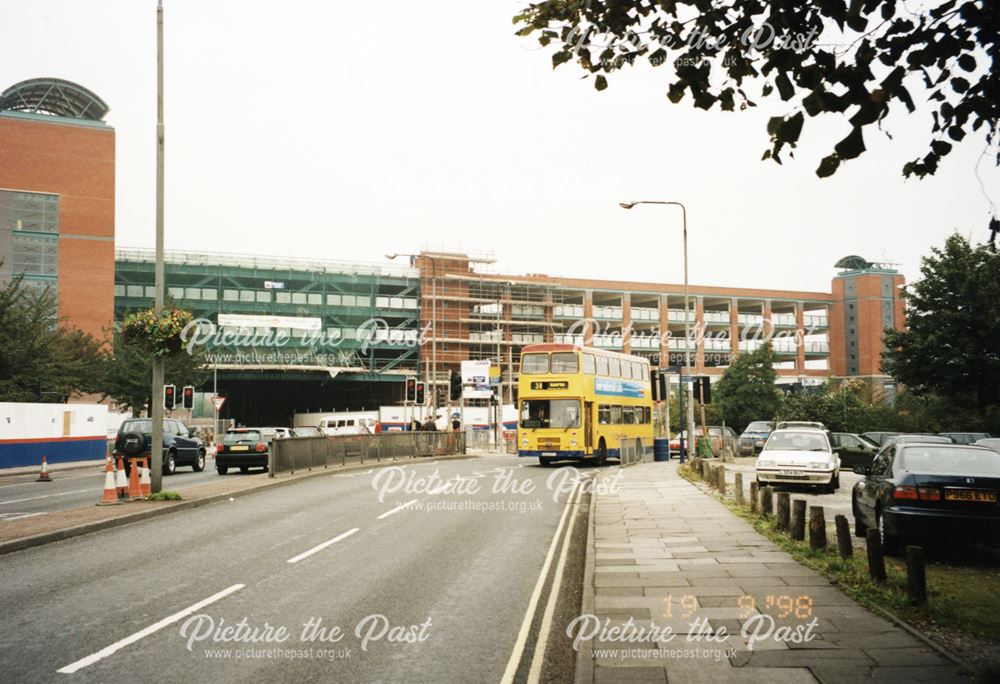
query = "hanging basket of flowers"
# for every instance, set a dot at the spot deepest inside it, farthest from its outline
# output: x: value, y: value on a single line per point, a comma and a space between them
x: 159, y: 334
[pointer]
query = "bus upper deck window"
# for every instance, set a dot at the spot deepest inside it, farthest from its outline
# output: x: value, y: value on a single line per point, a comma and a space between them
x: 565, y: 362
x: 602, y: 365
x: 626, y: 370
x: 614, y: 368
x: 589, y: 366
x: 534, y: 364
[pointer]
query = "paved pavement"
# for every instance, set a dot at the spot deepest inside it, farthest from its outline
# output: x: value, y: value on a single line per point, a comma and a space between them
x: 666, y: 554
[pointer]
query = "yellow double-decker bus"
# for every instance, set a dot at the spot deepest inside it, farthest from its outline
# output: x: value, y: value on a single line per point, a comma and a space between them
x: 582, y: 403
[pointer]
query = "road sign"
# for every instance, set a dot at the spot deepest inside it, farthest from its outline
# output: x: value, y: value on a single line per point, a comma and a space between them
x: 218, y: 402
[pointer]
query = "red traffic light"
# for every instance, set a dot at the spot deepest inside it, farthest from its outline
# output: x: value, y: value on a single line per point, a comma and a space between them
x: 188, y: 397
x: 169, y: 397
x: 411, y: 389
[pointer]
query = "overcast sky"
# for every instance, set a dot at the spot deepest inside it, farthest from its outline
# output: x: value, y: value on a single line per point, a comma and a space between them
x: 331, y: 130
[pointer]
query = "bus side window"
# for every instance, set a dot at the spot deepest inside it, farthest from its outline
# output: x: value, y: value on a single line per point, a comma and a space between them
x: 628, y: 415
x: 589, y: 365
x: 614, y: 368
x: 616, y: 415
x: 626, y: 370
x: 637, y: 371
x: 604, y: 414
x: 645, y: 372
x: 649, y: 415
x: 602, y: 365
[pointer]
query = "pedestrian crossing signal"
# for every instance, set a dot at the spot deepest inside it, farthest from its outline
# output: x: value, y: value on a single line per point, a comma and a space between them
x: 169, y: 397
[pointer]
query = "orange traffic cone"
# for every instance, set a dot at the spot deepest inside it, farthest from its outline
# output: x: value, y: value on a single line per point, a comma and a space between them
x: 145, y: 482
x: 121, y: 484
x: 110, y: 496
x: 44, y: 475
x: 133, y: 481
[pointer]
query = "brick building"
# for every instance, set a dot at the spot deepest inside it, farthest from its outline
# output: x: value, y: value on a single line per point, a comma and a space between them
x: 57, y: 197
x: 472, y: 314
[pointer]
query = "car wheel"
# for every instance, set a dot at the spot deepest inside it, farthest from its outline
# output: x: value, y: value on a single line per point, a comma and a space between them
x: 222, y: 470
x: 244, y: 469
x: 860, y: 529
x: 890, y: 544
x: 199, y: 462
x: 170, y: 463
x: 830, y: 487
x: 602, y: 453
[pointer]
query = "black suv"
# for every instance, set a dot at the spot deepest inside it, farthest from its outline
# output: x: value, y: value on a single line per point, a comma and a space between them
x: 180, y: 445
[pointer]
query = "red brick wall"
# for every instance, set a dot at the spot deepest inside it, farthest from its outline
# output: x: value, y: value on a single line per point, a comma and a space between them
x: 78, y: 163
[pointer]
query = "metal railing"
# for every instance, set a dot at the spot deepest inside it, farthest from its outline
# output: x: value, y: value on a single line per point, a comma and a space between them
x: 308, y: 453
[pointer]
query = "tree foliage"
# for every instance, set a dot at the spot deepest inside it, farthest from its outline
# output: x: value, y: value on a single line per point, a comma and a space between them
x: 951, y: 347
x: 746, y: 390
x: 858, y: 60
x: 39, y: 360
x: 128, y: 373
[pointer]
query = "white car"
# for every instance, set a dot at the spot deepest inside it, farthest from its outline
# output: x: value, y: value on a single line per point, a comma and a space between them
x: 800, y: 456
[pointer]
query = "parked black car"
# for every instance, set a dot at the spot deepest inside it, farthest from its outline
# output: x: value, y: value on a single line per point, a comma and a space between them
x: 243, y: 448
x: 929, y: 492
x: 180, y: 445
x: 852, y: 449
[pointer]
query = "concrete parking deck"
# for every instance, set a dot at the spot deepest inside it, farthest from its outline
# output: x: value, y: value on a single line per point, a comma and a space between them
x: 663, y: 552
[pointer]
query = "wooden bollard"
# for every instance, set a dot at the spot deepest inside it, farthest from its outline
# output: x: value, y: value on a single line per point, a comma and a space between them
x: 722, y: 479
x: 738, y: 488
x: 766, y: 501
x: 876, y: 561
x: 783, y: 511
x: 754, y: 501
x: 799, y: 519
x: 817, y: 528
x: 844, y: 544
x: 916, y: 576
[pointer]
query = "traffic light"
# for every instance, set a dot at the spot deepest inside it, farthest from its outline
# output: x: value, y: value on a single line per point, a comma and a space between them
x: 455, y: 386
x: 188, y: 396
x: 419, y: 398
x: 703, y: 389
x: 411, y: 389
x: 169, y: 397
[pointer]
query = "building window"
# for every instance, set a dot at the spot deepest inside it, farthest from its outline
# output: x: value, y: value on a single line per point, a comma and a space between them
x: 364, y: 301
x: 315, y: 298
x: 192, y: 293
x: 263, y: 297
x: 298, y: 298
x: 175, y: 293
x: 246, y: 295
x: 119, y: 290
x: 231, y: 295
x: 134, y: 290
x: 283, y: 297
x: 209, y: 294
x: 333, y: 300
x: 348, y: 300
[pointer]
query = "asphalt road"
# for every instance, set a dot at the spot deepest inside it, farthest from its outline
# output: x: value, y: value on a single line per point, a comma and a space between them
x: 424, y: 586
x: 21, y: 496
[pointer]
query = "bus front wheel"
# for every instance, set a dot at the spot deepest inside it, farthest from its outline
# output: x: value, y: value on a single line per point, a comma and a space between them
x: 602, y: 453
x: 546, y: 461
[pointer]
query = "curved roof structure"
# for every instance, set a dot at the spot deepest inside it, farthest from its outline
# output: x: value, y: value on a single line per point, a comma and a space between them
x: 853, y: 262
x: 54, y: 97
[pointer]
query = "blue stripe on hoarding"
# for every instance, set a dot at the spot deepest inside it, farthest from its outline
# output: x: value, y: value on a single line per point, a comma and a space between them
x: 16, y: 454
x: 618, y: 388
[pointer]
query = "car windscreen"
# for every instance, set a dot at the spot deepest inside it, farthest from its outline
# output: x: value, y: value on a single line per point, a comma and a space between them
x: 141, y: 426
x: 931, y: 460
x: 550, y: 413
x: 796, y: 441
x: 241, y: 436
x: 758, y: 426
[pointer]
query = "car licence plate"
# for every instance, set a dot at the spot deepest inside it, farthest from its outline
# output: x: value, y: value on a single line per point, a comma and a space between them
x: 969, y: 495
x: 790, y: 473
x: 239, y: 448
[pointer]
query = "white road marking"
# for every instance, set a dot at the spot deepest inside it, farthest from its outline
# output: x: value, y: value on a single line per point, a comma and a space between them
x: 522, y: 636
x: 534, y: 674
x: 8, y: 517
x: 397, y: 509
x: 61, y: 478
x: 46, y: 496
x: 166, y: 622
x: 317, y: 549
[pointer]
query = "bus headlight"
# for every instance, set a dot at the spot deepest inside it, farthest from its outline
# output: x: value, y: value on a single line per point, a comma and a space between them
x: 524, y: 442
x: 572, y: 442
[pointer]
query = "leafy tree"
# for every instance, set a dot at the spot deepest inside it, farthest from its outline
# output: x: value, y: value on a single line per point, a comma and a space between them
x: 128, y: 373
x: 857, y: 60
x: 952, y: 345
x: 746, y: 390
x: 40, y: 361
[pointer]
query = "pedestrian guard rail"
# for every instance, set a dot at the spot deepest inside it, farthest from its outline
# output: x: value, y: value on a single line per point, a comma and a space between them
x: 309, y: 453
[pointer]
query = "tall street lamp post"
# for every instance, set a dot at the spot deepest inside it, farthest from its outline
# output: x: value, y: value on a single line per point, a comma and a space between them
x: 687, y: 321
